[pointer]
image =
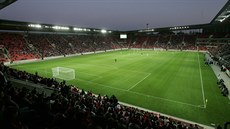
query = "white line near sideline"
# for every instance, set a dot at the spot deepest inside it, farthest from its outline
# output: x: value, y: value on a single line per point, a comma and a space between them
x: 201, y: 81
x: 139, y: 82
x: 178, y: 102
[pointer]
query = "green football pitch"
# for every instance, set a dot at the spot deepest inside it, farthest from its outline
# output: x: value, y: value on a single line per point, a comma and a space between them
x: 174, y: 83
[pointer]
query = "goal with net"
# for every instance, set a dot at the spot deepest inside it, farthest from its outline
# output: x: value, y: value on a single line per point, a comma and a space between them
x: 63, y: 73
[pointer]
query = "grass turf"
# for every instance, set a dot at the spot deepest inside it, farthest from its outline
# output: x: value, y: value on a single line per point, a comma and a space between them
x: 173, y: 83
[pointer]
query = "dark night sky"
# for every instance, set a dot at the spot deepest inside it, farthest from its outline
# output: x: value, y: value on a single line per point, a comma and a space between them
x: 120, y: 15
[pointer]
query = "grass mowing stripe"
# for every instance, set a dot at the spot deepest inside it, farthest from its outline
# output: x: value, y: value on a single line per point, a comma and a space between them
x: 201, y: 81
x: 90, y: 74
x: 139, y: 82
x: 135, y: 71
x: 155, y: 97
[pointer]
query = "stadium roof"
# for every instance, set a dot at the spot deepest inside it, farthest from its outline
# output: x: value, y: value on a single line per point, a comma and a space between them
x: 4, y: 3
x: 223, y: 15
x: 122, y: 15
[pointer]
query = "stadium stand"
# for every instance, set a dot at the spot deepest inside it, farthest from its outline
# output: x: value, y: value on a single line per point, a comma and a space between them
x: 166, y: 41
x: 221, y: 54
x: 16, y: 46
x: 40, y: 44
x: 223, y: 88
x: 25, y: 46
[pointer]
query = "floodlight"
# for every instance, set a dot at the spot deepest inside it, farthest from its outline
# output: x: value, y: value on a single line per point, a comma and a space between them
x: 77, y: 29
x: 103, y: 31
x: 60, y: 28
x: 35, y: 25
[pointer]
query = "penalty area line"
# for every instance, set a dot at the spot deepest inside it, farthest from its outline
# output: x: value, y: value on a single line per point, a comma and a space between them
x: 155, y: 97
x: 138, y: 82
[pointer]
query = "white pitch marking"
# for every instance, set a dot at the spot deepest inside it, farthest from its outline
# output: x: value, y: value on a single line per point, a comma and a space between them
x: 139, y: 82
x: 201, y: 81
x: 178, y: 102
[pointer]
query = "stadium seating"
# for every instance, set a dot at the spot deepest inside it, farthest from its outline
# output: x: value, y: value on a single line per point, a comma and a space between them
x: 223, y: 88
x: 221, y: 53
x: 24, y: 46
x: 16, y: 46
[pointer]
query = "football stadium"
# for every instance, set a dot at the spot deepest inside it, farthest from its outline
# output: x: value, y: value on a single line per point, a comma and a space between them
x: 66, y: 77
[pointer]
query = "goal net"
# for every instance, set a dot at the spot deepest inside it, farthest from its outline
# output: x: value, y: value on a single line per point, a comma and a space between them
x: 63, y: 73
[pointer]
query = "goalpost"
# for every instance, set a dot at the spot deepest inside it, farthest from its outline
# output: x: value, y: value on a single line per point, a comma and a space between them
x: 63, y: 73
